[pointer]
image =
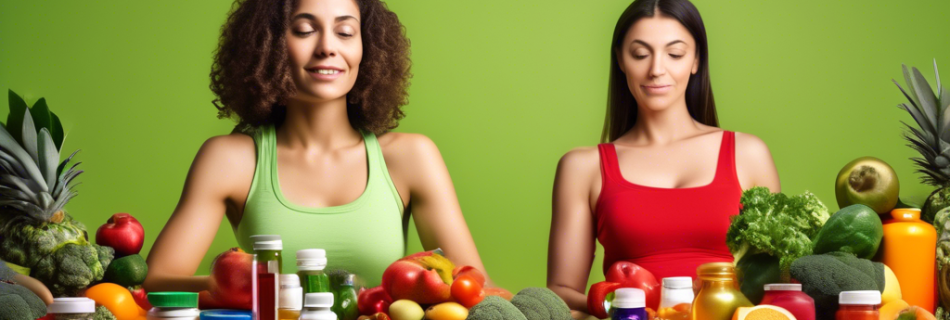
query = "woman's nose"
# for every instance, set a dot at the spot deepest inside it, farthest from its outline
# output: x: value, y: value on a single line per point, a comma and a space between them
x: 326, y: 47
x: 657, y: 68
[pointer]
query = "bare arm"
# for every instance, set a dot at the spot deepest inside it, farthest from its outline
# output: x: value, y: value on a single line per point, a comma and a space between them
x: 218, y: 170
x: 416, y: 161
x: 754, y: 163
x: 571, y: 243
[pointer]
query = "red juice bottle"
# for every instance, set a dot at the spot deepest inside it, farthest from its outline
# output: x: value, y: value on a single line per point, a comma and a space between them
x: 267, y: 267
x: 858, y: 305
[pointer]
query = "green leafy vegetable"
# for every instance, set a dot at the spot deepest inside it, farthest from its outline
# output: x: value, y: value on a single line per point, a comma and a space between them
x: 777, y: 225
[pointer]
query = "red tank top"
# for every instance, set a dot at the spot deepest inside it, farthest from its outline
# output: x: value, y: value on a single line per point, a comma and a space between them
x: 668, y: 231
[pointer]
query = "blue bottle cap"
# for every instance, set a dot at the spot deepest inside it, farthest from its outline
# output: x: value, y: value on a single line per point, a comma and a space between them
x: 226, y: 315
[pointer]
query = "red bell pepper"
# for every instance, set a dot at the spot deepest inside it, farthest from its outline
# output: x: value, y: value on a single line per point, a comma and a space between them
x: 623, y: 274
x: 373, y: 301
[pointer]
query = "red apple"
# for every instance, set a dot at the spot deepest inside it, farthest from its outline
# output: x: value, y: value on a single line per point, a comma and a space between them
x: 231, y: 279
x: 123, y: 233
x: 425, y: 278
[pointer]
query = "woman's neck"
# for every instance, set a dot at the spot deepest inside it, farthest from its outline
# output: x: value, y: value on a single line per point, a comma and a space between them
x: 318, y: 125
x: 660, y: 127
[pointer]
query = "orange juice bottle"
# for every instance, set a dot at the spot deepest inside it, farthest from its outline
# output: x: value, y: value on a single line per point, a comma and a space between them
x: 676, y: 298
x: 909, y: 248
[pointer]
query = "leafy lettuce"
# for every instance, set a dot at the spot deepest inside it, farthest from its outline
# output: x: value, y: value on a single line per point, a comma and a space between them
x: 776, y: 224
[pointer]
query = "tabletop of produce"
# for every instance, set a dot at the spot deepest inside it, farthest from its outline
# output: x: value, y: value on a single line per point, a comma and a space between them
x: 876, y: 258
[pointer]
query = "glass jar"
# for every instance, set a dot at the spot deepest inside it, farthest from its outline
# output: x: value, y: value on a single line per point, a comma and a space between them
x: 858, y: 305
x: 676, y: 298
x: 173, y: 306
x: 72, y: 309
x: 790, y: 297
x: 719, y: 297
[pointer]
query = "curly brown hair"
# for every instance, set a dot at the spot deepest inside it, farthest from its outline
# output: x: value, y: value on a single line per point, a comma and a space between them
x: 251, y: 73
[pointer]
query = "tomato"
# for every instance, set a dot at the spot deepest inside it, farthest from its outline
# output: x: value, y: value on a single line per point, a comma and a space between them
x: 471, y: 271
x: 117, y: 299
x: 467, y: 291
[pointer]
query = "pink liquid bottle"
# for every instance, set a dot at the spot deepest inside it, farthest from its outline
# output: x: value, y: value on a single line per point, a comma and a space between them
x: 265, y: 284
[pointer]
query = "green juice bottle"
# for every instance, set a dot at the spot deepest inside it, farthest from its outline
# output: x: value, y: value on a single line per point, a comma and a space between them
x: 310, y: 265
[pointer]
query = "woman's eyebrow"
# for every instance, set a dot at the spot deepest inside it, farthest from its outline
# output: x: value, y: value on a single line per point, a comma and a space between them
x: 312, y: 17
x: 668, y: 44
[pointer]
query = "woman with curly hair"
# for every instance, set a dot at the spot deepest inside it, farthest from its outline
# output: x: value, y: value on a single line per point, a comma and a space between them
x: 315, y: 85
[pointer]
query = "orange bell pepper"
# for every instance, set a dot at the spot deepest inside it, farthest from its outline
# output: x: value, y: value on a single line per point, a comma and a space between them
x: 117, y: 299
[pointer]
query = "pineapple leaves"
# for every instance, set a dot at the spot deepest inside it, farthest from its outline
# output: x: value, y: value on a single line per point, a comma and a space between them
x: 29, y: 136
x: 912, y: 94
x: 9, y: 145
x: 919, y: 118
x: 49, y: 157
x: 15, y: 117
x: 926, y: 98
x: 43, y: 118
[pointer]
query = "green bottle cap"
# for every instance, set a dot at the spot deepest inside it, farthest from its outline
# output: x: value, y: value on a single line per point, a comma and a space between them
x: 173, y: 299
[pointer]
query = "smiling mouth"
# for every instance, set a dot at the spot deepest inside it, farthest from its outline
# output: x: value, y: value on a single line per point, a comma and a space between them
x: 324, y: 71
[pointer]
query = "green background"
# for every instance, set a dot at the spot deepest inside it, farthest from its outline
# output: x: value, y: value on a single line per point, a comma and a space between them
x: 503, y: 87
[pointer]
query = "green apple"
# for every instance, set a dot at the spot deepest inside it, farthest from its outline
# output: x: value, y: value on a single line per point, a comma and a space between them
x: 868, y: 181
x: 406, y: 310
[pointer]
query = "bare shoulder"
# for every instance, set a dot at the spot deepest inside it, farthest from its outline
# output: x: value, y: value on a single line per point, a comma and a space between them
x: 754, y: 163
x: 228, y: 159
x: 231, y: 148
x: 578, y: 169
x: 581, y: 159
x: 407, y: 148
x: 752, y: 148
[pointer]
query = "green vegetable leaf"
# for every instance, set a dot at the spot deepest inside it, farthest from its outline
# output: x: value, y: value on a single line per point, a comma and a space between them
x: 43, y: 117
x: 15, y: 118
x: 776, y: 224
x: 58, y: 134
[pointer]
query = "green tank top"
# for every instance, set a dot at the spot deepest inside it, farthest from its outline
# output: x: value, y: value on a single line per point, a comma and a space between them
x: 363, y: 237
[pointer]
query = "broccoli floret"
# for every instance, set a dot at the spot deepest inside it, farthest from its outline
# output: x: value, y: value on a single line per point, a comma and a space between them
x: 19, y: 303
x: 541, y: 304
x: 495, y: 308
x: 69, y: 269
x: 824, y: 276
x: 58, y: 254
x: 103, y: 314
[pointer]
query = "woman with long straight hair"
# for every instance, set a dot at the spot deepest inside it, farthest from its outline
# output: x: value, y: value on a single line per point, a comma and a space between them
x: 660, y: 188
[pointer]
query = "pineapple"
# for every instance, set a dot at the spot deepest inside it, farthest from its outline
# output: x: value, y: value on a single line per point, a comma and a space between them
x: 36, y: 234
x: 931, y: 137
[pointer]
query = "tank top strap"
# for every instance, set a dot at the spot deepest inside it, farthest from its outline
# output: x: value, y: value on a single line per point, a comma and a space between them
x: 378, y: 171
x: 609, y: 165
x: 726, y: 164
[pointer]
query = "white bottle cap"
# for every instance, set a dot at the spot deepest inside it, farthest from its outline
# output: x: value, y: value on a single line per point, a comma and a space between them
x: 188, y: 313
x: 318, y: 300
x: 678, y: 283
x: 629, y: 298
x: 72, y: 305
x: 783, y: 287
x: 290, y: 296
x: 289, y: 281
x: 267, y: 242
x: 863, y: 297
x: 311, y: 259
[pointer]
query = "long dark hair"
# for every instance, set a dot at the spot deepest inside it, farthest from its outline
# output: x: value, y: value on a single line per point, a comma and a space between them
x: 621, y: 106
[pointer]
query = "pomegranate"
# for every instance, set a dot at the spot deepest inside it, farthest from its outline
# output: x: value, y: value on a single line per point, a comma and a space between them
x: 231, y: 279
